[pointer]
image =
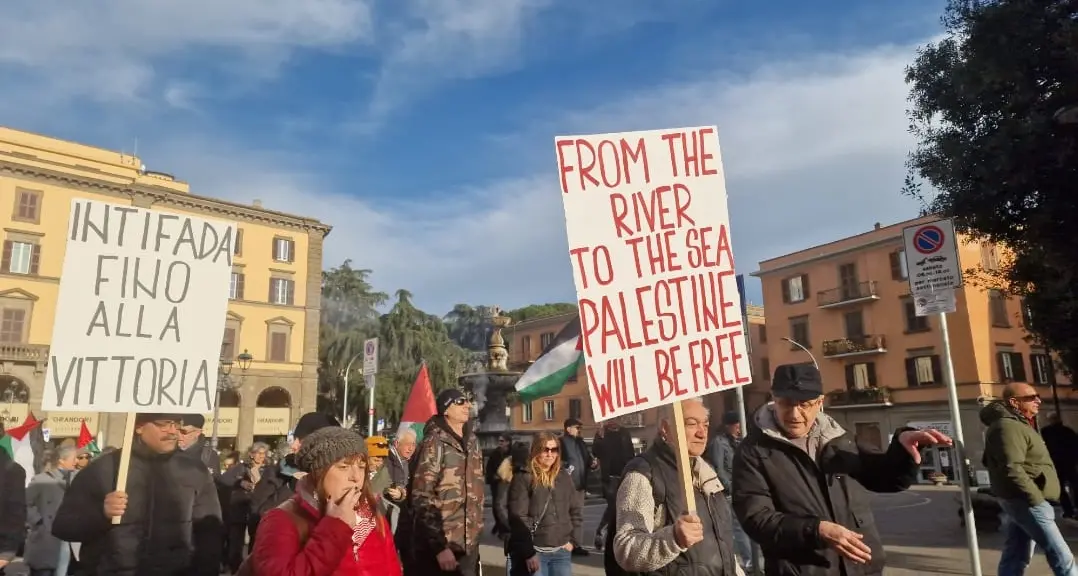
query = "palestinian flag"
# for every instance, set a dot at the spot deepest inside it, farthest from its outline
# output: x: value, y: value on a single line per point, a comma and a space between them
x: 86, y: 440
x: 558, y: 363
x: 24, y: 444
x: 420, y: 405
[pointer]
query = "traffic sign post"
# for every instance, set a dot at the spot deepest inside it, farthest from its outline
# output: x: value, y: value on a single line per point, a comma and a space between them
x: 934, y: 272
x: 370, y: 368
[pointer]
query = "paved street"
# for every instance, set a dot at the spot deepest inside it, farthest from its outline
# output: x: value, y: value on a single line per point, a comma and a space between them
x: 920, y: 529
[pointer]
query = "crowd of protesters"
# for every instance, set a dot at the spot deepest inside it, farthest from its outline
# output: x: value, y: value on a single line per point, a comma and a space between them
x: 796, y: 485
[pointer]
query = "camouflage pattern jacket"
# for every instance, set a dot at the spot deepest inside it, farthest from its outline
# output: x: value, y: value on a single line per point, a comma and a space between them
x: 447, y: 489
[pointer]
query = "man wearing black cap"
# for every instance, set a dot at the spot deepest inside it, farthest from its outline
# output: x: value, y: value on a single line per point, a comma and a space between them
x: 800, y: 482
x: 193, y: 444
x: 441, y: 526
x: 278, y: 482
x: 170, y: 518
x: 577, y: 459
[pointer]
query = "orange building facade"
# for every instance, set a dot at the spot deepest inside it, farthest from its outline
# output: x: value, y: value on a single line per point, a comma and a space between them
x: 528, y: 339
x: 849, y: 303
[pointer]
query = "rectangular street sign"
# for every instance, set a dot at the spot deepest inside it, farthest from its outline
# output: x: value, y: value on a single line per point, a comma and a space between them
x: 931, y: 252
x: 370, y: 357
x: 932, y: 303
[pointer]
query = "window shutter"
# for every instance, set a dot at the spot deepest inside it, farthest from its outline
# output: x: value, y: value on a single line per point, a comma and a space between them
x: 237, y: 247
x: 937, y: 370
x: 228, y: 347
x: 872, y: 374
x: 35, y: 258
x: 1001, y: 367
x: 896, y: 267
x: 911, y: 372
x: 5, y: 265
x: 785, y: 289
x: 273, y: 290
x: 290, y: 290
x: 276, y: 245
x: 851, y: 380
x: 1019, y: 363
x: 805, y: 286
x: 239, y: 286
x: 291, y: 251
x: 278, y: 347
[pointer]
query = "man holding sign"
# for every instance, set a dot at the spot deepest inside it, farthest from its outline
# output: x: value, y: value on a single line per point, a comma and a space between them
x: 801, y: 482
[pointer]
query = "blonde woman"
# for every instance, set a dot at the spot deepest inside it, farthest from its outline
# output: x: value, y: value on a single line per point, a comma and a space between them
x: 543, y: 514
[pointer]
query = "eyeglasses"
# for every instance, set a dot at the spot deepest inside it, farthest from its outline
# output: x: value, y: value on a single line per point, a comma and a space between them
x: 549, y: 450
x: 1029, y: 398
x: 166, y: 424
x: 803, y: 405
x: 461, y: 401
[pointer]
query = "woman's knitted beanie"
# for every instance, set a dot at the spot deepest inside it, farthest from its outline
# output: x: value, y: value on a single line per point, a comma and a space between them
x: 325, y: 446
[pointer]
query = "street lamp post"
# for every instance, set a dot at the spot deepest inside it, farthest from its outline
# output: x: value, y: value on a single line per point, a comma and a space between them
x: 1066, y: 115
x: 224, y: 384
x: 347, y: 371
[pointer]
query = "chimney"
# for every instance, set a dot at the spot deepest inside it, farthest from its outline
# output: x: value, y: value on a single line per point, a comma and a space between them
x: 877, y: 226
x: 258, y: 204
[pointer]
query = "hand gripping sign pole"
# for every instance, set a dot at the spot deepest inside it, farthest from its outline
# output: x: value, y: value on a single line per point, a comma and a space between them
x: 932, y: 267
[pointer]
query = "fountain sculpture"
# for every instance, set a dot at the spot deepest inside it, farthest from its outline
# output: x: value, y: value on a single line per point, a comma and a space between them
x: 491, y: 384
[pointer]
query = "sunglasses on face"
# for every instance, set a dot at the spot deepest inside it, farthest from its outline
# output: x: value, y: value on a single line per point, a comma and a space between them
x: 549, y: 450
x: 461, y: 401
x: 1029, y: 398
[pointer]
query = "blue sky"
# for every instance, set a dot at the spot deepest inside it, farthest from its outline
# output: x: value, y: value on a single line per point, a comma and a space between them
x: 423, y: 129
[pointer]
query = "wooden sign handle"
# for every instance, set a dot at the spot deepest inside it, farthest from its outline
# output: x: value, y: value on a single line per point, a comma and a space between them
x: 684, y: 466
x: 125, y: 458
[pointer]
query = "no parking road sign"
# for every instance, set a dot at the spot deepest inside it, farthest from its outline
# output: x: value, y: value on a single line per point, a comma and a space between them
x: 370, y: 357
x: 932, y: 257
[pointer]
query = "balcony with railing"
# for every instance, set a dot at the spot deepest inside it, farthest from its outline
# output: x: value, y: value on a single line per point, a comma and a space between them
x: 36, y: 353
x: 876, y: 396
x: 856, y: 346
x: 847, y: 295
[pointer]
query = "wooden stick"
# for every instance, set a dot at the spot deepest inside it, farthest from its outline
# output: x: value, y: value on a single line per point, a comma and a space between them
x: 125, y: 458
x: 684, y: 466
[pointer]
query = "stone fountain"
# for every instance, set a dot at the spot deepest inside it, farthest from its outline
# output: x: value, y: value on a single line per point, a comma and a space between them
x: 491, y: 384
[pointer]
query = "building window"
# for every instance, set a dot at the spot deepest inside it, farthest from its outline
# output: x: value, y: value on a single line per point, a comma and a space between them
x: 1043, y: 368
x: 27, y: 206
x: 575, y: 408
x: 923, y: 371
x: 526, y: 412
x: 855, y: 325
x: 21, y: 257
x: 861, y: 376
x: 1012, y: 367
x: 525, y: 349
x: 548, y: 410
x: 847, y: 281
x: 762, y: 331
x: 799, y: 332
x: 899, y: 271
x: 765, y: 369
x: 283, y: 249
x: 545, y: 339
x: 13, y: 325
x: 795, y: 289
x: 997, y: 309
x: 235, y: 288
x: 237, y: 246
x: 914, y: 323
x: 278, y: 340
x: 281, y: 291
x: 1027, y: 316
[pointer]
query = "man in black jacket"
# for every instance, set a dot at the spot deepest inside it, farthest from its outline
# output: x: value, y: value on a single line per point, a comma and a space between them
x: 12, y: 507
x: 170, y: 518
x: 1062, y: 443
x: 577, y: 459
x: 806, y: 524
x: 193, y: 443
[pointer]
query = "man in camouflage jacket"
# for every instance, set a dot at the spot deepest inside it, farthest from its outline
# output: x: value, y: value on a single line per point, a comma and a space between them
x: 446, y: 495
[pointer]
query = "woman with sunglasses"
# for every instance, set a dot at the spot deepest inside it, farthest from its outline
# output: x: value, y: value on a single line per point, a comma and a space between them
x: 543, y: 513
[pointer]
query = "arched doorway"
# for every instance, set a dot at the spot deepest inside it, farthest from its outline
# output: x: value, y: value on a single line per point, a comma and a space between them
x: 14, y: 401
x: 273, y: 416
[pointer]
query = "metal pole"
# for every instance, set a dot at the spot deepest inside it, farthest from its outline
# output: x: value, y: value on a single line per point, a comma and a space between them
x: 960, y: 450
x: 216, y: 413
x: 370, y: 404
x: 347, y: 371
x: 801, y: 346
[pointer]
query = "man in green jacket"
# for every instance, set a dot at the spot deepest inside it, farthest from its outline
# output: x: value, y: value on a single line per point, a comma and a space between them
x: 1025, y: 481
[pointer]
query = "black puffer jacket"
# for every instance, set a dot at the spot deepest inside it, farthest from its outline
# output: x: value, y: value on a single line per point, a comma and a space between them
x: 781, y: 495
x: 555, y: 526
x: 172, y: 526
x: 12, y: 506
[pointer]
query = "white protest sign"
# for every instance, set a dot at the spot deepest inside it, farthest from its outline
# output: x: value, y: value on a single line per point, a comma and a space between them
x: 141, y: 311
x: 649, y: 243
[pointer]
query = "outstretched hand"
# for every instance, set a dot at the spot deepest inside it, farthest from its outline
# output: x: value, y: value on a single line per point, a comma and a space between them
x: 914, y: 440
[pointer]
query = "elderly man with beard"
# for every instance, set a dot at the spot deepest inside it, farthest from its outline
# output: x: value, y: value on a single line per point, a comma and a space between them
x: 170, y: 520
x: 801, y: 482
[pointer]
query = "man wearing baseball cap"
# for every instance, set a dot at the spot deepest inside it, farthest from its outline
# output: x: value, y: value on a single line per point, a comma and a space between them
x: 444, y: 518
x: 800, y: 481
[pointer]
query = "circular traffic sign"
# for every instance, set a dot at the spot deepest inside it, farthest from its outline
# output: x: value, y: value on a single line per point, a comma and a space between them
x: 370, y: 348
x: 928, y: 239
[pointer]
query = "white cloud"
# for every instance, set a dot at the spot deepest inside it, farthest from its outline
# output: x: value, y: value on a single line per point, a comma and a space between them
x: 813, y: 150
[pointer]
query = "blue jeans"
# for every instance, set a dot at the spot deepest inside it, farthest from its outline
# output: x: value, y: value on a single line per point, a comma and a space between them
x: 557, y: 563
x: 1028, y: 525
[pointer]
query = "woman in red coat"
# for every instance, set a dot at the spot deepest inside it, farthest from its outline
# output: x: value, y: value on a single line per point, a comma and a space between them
x: 332, y: 526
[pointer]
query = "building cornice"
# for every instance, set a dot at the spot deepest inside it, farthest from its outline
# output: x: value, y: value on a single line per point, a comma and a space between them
x: 888, y: 240
x: 167, y: 197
